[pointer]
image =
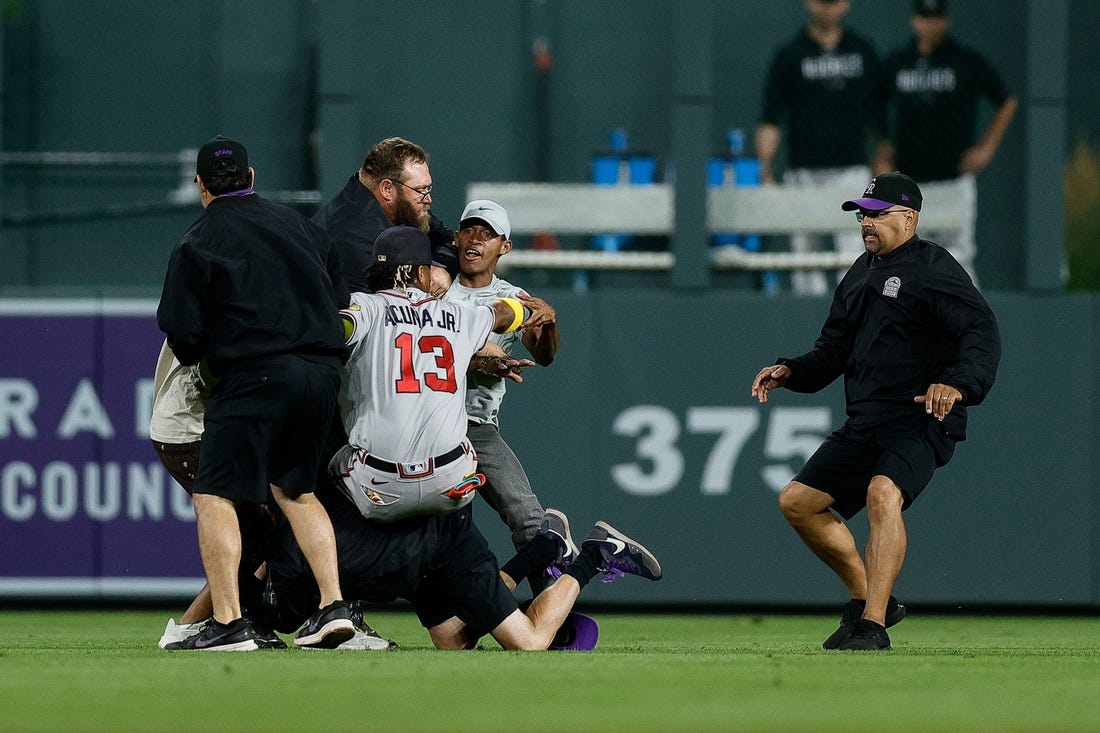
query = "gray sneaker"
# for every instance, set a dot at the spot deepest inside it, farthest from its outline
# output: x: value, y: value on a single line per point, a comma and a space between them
x: 365, y: 638
x: 555, y: 525
x: 621, y: 555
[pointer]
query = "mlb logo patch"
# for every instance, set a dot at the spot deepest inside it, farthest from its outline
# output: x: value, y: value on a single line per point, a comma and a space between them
x: 891, y: 288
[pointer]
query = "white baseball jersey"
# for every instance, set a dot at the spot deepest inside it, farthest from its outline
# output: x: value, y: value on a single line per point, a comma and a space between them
x: 404, y: 386
x: 485, y: 392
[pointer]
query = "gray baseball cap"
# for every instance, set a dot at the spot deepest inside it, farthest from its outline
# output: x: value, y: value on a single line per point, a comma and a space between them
x: 489, y: 212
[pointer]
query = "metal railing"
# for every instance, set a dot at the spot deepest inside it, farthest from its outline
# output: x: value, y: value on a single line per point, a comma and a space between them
x: 589, y: 209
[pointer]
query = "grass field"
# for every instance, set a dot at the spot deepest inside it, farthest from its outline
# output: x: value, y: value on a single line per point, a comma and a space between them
x: 101, y: 671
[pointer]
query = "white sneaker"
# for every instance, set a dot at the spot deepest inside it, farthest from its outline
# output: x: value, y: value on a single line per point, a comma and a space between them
x: 363, y: 641
x: 174, y: 632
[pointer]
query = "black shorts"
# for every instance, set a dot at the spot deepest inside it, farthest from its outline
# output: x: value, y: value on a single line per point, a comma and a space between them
x: 266, y: 422
x: 442, y: 564
x: 181, y: 460
x: 907, y: 451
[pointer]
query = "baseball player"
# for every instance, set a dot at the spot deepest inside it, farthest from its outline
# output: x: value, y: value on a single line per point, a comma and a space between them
x: 817, y: 91
x: 402, y: 396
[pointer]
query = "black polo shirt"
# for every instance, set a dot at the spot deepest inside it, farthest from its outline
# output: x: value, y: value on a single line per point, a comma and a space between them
x: 932, y: 103
x: 822, y: 97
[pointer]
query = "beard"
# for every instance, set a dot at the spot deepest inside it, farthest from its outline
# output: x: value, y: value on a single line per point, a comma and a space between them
x: 405, y: 214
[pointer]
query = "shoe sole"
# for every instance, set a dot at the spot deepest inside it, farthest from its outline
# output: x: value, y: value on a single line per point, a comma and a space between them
x: 240, y: 646
x: 329, y: 636
x: 612, y: 532
x: 367, y: 643
x: 571, y: 547
x: 247, y: 645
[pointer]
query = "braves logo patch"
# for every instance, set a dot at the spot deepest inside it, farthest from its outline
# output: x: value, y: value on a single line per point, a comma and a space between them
x: 892, y: 286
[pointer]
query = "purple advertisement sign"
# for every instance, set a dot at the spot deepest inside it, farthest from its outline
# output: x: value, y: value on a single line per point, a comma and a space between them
x: 86, y: 508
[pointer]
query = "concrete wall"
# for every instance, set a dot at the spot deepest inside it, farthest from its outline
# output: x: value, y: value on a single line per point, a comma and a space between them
x: 644, y: 420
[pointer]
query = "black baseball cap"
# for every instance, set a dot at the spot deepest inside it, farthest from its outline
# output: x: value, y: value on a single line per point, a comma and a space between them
x: 889, y: 189
x: 930, y: 8
x: 219, y: 150
x: 402, y: 245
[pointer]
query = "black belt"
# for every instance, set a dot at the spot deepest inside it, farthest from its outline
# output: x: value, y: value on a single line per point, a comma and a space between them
x: 439, y: 461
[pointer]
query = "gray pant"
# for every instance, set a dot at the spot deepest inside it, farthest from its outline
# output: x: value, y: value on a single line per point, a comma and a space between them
x: 507, y: 489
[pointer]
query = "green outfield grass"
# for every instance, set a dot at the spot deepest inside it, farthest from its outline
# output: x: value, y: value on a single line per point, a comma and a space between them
x: 101, y: 671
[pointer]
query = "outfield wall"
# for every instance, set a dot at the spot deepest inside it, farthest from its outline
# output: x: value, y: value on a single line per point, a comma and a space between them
x: 644, y: 420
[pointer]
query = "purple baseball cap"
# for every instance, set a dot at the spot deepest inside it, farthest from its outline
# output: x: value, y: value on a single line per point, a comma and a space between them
x: 889, y: 189
x: 578, y: 633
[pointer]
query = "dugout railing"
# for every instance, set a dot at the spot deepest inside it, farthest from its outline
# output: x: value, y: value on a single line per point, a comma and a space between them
x: 589, y: 209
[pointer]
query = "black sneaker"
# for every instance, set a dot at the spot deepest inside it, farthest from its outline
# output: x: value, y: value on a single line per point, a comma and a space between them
x: 267, y: 639
x: 236, y: 636
x: 867, y: 636
x: 853, y: 611
x: 328, y: 628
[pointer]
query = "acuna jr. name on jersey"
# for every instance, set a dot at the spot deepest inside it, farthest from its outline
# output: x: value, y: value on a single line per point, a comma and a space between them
x: 413, y: 316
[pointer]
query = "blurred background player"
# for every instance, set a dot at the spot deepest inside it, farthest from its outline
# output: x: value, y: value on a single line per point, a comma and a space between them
x: 818, y: 89
x: 929, y: 90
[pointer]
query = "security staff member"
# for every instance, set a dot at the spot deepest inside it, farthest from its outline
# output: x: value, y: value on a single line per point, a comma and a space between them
x: 917, y: 345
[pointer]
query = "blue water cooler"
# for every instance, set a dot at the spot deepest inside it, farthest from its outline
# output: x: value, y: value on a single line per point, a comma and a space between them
x: 734, y: 168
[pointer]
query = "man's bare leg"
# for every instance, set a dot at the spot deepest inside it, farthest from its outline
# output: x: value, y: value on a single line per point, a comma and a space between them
x: 220, y: 550
x: 807, y: 511
x: 313, y: 532
x: 887, y: 542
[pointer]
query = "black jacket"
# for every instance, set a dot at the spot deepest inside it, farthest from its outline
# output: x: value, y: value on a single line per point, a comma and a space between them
x: 898, y: 324
x: 252, y: 278
x: 354, y: 219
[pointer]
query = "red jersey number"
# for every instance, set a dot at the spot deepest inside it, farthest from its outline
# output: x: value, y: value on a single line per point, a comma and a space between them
x: 442, y: 380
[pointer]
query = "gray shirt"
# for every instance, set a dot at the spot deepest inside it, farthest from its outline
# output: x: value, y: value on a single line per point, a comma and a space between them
x: 485, y: 392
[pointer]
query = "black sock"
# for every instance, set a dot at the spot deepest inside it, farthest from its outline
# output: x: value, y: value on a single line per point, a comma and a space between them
x: 533, y: 558
x: 587, y: 564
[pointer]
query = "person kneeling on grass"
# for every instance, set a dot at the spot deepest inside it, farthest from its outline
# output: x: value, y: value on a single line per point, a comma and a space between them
x: 443, y: 565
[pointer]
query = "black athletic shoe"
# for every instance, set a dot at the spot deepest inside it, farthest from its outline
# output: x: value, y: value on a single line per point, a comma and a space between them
x: 328, y: 628
x: 867, y: 636
x: 267, y: 639
x: 853, y: 611
x: 237, y: 636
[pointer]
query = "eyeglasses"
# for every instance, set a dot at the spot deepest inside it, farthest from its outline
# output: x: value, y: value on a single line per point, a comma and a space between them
x: 423, y: 193
x: 861, y: 215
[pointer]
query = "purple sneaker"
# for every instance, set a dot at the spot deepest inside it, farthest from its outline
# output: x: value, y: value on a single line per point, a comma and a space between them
x: 555, y: 525
x: 579, y: 633
x: 621, y: 555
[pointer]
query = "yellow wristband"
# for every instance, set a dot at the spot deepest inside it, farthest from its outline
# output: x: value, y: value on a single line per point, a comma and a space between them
x: 517, y: 308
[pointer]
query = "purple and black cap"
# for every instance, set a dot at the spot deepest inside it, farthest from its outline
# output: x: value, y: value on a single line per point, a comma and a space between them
x: 402, y: 245
x: 889, y: 189
x: 215, y: 155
